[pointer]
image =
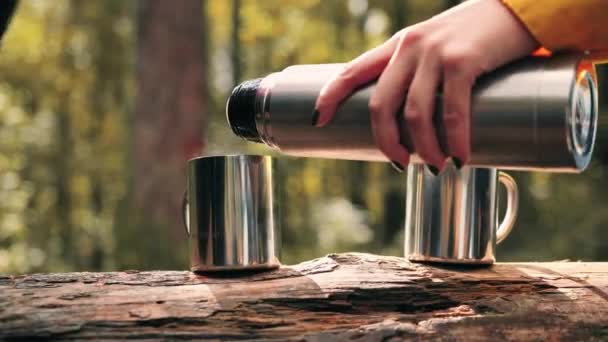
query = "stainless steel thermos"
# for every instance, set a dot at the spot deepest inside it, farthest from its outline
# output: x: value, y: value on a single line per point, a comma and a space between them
x: 535, y: 113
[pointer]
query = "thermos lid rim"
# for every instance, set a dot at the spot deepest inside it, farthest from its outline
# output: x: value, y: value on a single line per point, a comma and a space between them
x: 582, y: 123
x: 240, y: 110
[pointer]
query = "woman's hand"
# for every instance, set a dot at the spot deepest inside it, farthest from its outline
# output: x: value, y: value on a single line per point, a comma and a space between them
x: 450, y: 50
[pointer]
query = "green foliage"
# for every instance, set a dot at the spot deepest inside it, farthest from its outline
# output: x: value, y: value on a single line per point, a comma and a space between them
x: 67, y: 93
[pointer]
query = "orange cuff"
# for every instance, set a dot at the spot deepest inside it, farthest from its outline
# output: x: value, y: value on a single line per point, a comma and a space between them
x: 565, y: 24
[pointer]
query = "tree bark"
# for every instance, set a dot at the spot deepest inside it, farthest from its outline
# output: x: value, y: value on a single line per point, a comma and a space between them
x: 350, y: 296
x: 170, y: 110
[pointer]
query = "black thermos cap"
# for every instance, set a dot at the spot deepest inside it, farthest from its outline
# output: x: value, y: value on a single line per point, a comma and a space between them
x: 240, y: 110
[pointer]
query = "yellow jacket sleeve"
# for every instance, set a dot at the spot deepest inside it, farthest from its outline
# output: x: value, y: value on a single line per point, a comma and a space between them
x: 565, y: 24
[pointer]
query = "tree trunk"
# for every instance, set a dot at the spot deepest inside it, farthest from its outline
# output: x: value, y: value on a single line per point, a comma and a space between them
x: 399, y: 16
x: 452, y: 3
x: 170, y: 110
x: 339, y: 297
x: 235, y: 42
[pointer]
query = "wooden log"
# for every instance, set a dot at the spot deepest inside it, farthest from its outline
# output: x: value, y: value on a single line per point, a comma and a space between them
x: 339, y: 297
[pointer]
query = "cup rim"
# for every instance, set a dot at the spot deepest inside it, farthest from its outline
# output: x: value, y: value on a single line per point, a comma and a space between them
x: 225, y: 156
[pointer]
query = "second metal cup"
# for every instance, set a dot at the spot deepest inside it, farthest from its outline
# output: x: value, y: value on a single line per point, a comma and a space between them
x: 452, y: 217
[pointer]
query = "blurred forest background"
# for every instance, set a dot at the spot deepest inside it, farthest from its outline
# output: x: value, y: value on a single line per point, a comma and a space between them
x: 102, y: 102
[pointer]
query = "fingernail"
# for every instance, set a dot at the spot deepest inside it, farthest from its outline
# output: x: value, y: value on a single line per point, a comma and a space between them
x: 397, y: 166
x: 433, y: 169
x: 315, y: 117
x: 457, y: 162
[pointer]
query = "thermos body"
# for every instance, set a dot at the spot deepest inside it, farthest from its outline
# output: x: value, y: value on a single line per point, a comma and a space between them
x: 536, y: 113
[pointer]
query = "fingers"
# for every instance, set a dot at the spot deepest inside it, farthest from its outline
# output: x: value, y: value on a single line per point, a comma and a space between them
x: 419, y: 110
x: 388, y: 97
x: 386, y: 135
x: 456, y: 114
x: 409, y: 63
x: 358, y: 72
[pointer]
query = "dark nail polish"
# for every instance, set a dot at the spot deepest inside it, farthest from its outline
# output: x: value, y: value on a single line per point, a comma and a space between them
x: 457, y: 162
x: 315, y: 117
x: 397, y: 166
x: 433, y: 169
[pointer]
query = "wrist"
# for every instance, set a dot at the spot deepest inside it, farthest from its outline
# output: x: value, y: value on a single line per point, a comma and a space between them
x: 506, y: 37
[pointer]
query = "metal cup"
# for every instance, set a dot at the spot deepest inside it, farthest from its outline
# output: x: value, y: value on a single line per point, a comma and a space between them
x: 230, y: 214
x: 453, y: 217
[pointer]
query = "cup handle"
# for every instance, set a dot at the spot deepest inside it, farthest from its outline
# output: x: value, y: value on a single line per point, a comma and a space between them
x: 506, y: 226
x: 186, y: 212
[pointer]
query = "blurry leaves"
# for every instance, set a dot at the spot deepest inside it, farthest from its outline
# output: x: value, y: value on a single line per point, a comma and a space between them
x: 66, y: 97
x: 57, y: 93
x: 563, y: 216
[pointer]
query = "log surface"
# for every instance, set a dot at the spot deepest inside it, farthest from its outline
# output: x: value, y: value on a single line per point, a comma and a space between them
x: 338, y: 297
